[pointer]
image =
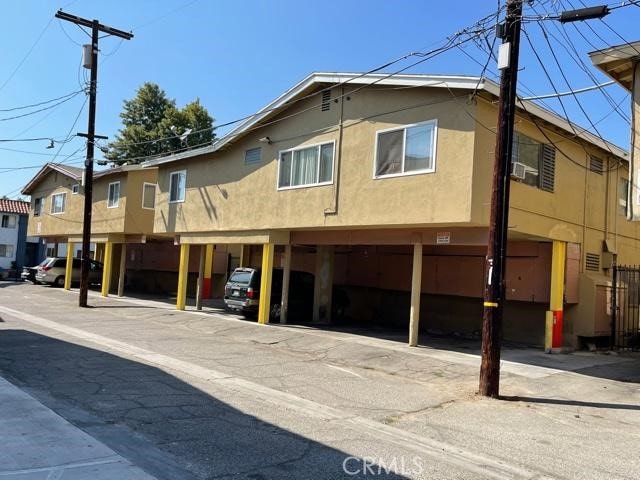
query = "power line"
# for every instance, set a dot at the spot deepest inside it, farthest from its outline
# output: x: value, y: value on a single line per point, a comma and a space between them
x: 6, y: 119
x: 576, y: 56
x: 24, y: 59
x: 571, y: 92
x: 566, y: 80
x: 44, y: 102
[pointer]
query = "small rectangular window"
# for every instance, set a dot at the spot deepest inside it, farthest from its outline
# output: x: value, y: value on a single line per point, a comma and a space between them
x: 37, y: 206
x: 537, y: 161
x: 6, y: 251
x: 149, y: 195
x: 253, y: 156
x: 623, y: 195
x: 58, y: 201
x: 306, y: 166
x: 406, y: 151
x: 8, y: 221
x: 177, y: 186
x: 113, y: 195
x: 75, y: 188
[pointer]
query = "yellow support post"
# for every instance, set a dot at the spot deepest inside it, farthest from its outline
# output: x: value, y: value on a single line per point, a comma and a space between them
x: 68, y: 271
x: 183, y: 274
x: 554, y: 320
x: 207, y: 284
x: 106, y: 269
x: 265, y: 283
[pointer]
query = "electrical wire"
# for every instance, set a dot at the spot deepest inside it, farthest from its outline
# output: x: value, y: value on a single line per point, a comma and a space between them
x: 24, y: 59
x: 576, y: 57
x: 423, y: 58
x: 566, y: 80
x: 6, y: 119
x: 44, y: 102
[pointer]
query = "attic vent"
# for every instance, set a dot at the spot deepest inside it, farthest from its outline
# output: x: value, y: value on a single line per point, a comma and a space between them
x: 593, y: 262
x: 596, y: 165
x: 326, y: 101
x: 547, y: 180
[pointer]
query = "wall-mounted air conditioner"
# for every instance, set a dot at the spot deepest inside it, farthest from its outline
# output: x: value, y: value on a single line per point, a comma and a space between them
x: 518, y: 170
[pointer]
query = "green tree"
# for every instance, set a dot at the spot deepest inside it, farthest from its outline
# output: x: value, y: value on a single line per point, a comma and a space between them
x: 153, y: 125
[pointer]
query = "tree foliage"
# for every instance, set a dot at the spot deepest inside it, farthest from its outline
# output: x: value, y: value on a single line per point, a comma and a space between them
x: 152, y: 124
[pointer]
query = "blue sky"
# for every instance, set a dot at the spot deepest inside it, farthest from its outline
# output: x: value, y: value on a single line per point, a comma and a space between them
x: 237, y: 55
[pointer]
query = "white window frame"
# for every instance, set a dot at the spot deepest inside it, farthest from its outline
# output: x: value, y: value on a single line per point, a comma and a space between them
x: 155, y: 189
x: 75, y: 189
x: 433, y: 122
x: 178, y: 172
x: 117, y: 202
x: 64, y: 202
x: 305, y: 147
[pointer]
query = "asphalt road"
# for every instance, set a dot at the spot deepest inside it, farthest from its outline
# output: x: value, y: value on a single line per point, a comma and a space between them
x: 187, y: 395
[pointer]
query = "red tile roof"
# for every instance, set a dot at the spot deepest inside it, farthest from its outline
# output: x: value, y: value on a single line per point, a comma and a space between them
x: 14, y: 206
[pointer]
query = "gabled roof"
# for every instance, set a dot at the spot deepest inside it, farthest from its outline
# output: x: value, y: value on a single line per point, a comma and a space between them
x: 448, y: 82
x: 74, y: 173
x: 14, y: 206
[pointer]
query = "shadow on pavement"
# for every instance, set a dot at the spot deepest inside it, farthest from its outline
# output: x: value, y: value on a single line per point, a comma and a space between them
x: 624, y: 367
x: 160, y: 423
x: 575, y: 403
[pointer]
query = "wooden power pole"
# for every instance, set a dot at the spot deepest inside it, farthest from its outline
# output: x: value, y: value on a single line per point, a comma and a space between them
x: 494, y: 293
x: 96, y: 27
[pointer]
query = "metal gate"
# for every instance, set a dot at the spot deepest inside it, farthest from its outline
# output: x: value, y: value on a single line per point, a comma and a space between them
x: 625, y: 303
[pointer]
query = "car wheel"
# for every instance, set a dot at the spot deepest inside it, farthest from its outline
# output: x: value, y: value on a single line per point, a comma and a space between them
x: 59, y: 282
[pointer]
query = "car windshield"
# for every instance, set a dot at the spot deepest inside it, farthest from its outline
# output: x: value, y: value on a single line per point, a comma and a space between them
x: 240, y: 277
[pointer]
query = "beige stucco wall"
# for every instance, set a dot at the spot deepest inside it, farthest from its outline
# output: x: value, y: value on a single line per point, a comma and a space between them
x: 576, y: 210
x: 225, y: 195
x: 128, y: 217
x: 138, y: 220
x: 48, y: 224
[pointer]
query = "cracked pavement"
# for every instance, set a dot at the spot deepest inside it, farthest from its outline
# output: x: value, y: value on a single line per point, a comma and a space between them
x: 204, y: 395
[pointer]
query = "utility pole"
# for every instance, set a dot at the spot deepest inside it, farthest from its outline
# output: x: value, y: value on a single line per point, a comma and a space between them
x: 96, y: 27
x: 494, y: 293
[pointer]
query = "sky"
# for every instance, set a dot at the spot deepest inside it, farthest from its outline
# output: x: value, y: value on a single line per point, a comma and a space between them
x: 238, y: 55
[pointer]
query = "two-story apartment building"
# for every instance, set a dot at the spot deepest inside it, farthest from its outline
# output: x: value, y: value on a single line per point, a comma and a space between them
x: 13, y: 235
x: 381, y: 184
x: 122, y: 213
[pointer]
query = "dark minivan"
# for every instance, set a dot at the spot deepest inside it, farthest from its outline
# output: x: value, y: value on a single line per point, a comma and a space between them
x: 242, y: 293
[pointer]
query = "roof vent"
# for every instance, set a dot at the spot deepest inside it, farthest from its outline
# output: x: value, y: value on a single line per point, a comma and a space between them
x: 596, y: 165
x: 326, y: 101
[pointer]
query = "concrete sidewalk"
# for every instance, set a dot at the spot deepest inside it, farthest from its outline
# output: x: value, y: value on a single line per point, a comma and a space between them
x: 38, y: 444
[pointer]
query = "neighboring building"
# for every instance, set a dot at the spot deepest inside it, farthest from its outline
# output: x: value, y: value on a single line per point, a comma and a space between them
x: 14, y: 215
x: 122, y: 213
x: 380, y: 184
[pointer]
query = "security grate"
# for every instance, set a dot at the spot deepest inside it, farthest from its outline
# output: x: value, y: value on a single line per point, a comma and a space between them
x: 326, y: 101
x: 592, y: 262
x: 596, y: 165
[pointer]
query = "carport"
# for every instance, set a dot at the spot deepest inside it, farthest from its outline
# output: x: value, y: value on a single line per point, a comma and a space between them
x: 427, y: 280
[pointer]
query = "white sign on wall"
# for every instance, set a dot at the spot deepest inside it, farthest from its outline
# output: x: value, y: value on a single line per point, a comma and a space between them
x: 443, y: 238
